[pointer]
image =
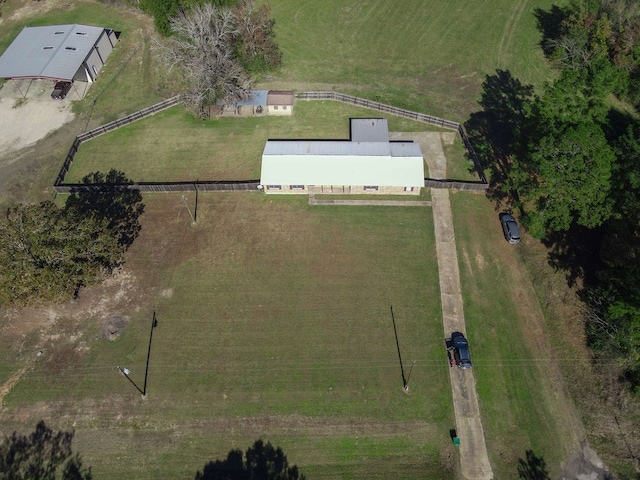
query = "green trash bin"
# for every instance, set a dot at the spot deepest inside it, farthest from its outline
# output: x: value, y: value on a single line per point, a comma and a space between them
x: 456, y: 441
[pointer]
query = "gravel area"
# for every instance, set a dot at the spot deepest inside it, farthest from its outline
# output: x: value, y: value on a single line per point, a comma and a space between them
x: 24, y: 122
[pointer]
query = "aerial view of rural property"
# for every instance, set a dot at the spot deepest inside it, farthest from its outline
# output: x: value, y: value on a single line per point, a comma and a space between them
x: 330, y: 239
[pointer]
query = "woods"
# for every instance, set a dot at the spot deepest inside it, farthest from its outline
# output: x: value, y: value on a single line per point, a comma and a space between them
x: 570, y: 162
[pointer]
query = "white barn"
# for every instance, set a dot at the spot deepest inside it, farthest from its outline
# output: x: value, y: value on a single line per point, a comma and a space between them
x: 368, y: 163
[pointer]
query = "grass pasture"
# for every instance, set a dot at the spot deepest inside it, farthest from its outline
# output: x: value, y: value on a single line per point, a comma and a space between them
x: 524, y: 402
x: 430, y: 57
x: 274, y: 322
x: 175, y: 146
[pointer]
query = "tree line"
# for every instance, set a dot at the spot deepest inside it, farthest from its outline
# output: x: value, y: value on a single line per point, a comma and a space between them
x: 216, y: 47
x: 569, y: 162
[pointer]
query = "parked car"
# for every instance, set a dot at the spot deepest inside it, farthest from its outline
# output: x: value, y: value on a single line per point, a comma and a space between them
x: 510, y: 228
x: 60, y: 90
x: 461, y: 352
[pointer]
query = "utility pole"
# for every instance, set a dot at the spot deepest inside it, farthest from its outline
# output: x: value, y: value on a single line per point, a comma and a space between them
x: 154, y: 324
x: 405, y: 387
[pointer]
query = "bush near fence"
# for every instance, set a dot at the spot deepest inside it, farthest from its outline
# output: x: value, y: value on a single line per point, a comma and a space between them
x: 245, y: 185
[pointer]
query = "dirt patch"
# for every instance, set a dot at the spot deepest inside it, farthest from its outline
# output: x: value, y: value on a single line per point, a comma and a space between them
x: 113, y: 327
x: 585, y: 465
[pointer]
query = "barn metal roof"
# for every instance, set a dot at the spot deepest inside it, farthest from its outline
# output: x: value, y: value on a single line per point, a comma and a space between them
x: 360, y: 170
x: 375, y: 162
x: 54, y: 52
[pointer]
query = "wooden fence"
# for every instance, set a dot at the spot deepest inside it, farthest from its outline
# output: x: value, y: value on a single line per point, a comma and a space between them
x: 382, y: 107
x: 59, y: 185
x: 401, y: 112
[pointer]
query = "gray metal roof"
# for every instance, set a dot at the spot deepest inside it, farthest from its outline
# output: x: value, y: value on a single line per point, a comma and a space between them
x: 369, y: 130
x: 257, y: 98
x: 319, y: 147
x: 55, y: 52
x: 376, y: 162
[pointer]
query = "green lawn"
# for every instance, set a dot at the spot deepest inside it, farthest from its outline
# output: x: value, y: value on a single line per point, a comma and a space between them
x: 520, y: 405
x: 428, y: 56
x: 175, y: 146
x: 277, y: 325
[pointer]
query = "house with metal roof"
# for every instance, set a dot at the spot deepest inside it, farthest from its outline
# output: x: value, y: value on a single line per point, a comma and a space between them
x: 367, y: 163
x: 58, y: 52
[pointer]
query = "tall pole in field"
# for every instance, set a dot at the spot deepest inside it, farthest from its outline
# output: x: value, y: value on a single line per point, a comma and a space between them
x: 404, y: 382
x: 154, y: 324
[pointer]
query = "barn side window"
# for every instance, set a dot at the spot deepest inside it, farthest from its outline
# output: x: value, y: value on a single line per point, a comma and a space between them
x: 274, y: 187
x: 275, y: 107
x: 370, y: 188
x: 296, y: 187
x: 408, y: 189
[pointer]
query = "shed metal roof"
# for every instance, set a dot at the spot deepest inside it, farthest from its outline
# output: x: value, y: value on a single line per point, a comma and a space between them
x: 55, y: 51
x: 280, y: 97
x: 369, y: 130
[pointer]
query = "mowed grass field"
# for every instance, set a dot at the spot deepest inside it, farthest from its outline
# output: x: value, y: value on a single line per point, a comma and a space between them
x: 273, y: 322
x: 524, y: 401
x: 430, y: 56
x: 274, y: 316
x: 174, y: 146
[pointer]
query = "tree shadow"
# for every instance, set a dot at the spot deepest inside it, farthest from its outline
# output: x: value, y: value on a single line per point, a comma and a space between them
x: 42, y: 454
x: 494, y: 130
x: 261, y: 461
x: 550, y: 26
x: 109, y: 197
x: 576, y: 252
x: 532, y: 467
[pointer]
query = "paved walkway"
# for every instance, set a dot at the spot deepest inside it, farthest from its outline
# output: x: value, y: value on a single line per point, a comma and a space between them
x: 383, y: 203
x: 474, y: 460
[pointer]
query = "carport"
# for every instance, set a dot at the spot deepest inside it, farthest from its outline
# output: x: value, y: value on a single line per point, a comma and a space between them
x: 41, y: 56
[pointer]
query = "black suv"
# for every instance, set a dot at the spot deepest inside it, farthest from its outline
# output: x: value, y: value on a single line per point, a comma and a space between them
x: 461, y: 350
x: 60, y: 90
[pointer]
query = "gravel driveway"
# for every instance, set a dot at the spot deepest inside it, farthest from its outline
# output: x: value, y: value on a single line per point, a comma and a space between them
x: 24, y: 122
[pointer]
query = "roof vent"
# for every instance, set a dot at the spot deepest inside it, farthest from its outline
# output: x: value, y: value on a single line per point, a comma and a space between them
x: 70, y: 48
x: 47, y: 48
x: 58, y: 33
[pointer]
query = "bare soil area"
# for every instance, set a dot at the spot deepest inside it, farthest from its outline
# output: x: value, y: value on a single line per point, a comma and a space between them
x: 25, y: 121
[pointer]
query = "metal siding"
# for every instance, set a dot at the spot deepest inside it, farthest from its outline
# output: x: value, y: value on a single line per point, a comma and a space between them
x: 93, y: 60
x: 104, y: 46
